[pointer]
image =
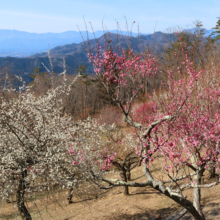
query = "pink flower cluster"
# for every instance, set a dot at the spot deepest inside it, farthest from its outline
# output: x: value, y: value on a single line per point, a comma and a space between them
x: 107, y: 159
x: 115, y: 68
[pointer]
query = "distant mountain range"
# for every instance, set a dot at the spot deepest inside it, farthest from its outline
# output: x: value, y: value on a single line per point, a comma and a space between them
x: 76, y: 54
x: 22, y: 44
x: 15, y: 43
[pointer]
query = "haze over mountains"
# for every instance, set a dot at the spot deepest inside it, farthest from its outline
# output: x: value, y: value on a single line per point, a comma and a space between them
x: 22, y: 44
x: 75, y: 54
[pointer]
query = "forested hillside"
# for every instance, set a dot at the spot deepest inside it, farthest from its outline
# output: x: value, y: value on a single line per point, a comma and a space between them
x: 76, y: 54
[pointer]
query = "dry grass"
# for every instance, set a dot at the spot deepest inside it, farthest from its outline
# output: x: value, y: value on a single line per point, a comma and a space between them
x: 112, y: 205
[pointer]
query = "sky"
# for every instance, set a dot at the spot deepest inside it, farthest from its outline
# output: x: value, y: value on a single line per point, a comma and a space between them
x: 42, y: 16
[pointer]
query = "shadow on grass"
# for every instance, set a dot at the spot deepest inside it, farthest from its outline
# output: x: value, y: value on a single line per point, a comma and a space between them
x: 144, y: 193
x: 147, y: 192
x: 7, y: 217
x: 159, y: 214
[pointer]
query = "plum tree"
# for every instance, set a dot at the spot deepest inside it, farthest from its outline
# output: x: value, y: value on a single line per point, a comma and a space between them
x: 181, y: 136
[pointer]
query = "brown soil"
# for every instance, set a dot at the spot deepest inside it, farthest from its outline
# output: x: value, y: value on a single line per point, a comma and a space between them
x: 111, y: 205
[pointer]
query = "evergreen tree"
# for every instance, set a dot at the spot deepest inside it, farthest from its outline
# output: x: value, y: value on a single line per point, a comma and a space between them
x: 36, y: 72
x: 81, y: 70
x: 217, y: 30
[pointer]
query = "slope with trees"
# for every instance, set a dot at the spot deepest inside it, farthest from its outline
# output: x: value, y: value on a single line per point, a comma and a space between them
x: 182, y: 134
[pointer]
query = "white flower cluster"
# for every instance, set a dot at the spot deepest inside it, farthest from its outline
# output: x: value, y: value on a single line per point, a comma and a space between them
x: 42, y: 148
x: 36, y: 140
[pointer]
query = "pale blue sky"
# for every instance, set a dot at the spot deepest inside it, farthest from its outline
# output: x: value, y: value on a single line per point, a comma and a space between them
x: 41, y: 16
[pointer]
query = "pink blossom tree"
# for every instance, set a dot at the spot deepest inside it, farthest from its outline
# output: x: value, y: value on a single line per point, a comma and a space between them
x: 181, y: 136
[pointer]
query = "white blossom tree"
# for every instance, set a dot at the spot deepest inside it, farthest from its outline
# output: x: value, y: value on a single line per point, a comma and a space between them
x: 42, y: 148
x: 34, y: 143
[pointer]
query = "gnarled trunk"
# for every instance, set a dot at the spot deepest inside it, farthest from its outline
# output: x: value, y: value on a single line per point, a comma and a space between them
x: 189, y: 206
x: 195, y: 211
x: 25, y: 215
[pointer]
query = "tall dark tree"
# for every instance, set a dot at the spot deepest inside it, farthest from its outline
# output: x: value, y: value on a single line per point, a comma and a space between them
x: 217, y: 30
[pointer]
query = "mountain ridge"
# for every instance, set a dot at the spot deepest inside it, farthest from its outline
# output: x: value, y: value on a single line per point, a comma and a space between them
x: 22, y: 44
x: 76, y: 54
x: 16, y: 43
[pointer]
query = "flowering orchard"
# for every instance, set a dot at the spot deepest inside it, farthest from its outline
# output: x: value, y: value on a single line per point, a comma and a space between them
x: 33, y: 142
x: 180, y: 136
x: 176, y: 134
x: 35, y: 149
x: 96, y: 147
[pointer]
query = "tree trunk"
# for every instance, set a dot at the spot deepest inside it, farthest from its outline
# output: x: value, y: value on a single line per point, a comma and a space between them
x: 124, y: 178
x: 211, y: 170
x: 8, y: 198
x: 126, y: 191
x: 70, y: 195
x: 189, y: 206
x: 25, y: 215
x: 158, y: 185
x: 128, y: 175
x: 197, y: 195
